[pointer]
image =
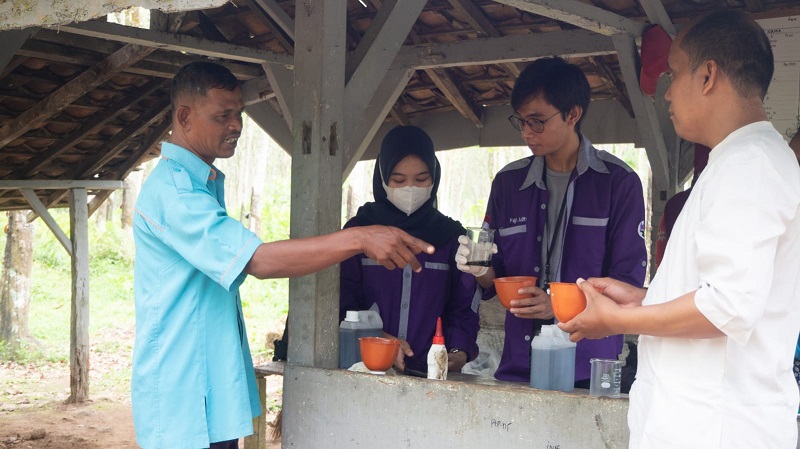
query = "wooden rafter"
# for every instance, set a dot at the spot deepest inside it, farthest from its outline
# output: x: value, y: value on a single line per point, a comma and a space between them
x: 473, y: 14
x: 278, y: 17
x: 15, y: 62
x: 277, y: 31
x: 616, y: 83
x: 122, y: 140
x: 155, y: 136
x: 70, y: 49
x: 176, y: 21
x: 581, y: 15
x: 399, y: 116
x: 119, y: 143
x: 179, y: 43
x: 657, y: 14
x: 455, y: 95
x: 210, y: 29
x: 90, y: 127
x: 452, y: 91
x: 74, y: 89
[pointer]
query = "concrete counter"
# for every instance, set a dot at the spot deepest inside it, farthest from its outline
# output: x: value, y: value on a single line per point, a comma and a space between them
x: 341, y: 409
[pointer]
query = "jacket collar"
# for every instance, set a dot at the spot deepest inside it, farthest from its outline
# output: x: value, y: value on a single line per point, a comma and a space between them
x: 587, y: 158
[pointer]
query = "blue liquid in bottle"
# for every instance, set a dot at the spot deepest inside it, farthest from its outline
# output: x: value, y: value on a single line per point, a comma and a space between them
x: 552, y: 361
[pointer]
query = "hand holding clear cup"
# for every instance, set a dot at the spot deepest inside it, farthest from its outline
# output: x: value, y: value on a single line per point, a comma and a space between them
x: 475, y: 251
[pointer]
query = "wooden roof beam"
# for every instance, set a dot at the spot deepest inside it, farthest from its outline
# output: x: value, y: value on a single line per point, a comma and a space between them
x: 496, y: 50
x: 657, y: 14
x: 581, y: 15
x: 151, y: 140
x: 94, y: 125
x: 256, y: 90
x: 15, y: 62
x: 478, y: 20
x: 399, y: 116
x: 158, y: 64
x: 374, y: 80
x: 284, y: 39
x: 72, y: 90
x: 119, y: 143
x: 281, y: 79
x: 176, y: 42
x: 460, y: 99
x: 122, y: 140
x: 620, y: 93
x: 453, y: 91
x: 279, y: 17
x: 268, y: 119
x: 645, y: 113
x: 12, y: 41
x: 382, y: 41
x: 360, y: 132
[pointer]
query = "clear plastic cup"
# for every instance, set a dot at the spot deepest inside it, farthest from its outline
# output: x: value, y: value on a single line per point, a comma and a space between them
x: 480, y: 252
x: 605, y: 378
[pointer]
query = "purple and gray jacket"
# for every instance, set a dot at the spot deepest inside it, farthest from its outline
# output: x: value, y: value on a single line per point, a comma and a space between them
x: 409, y: 302
x: 603, y: 234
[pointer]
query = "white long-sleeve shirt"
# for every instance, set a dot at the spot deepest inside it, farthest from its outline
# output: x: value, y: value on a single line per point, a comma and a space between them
x: 737, y: 242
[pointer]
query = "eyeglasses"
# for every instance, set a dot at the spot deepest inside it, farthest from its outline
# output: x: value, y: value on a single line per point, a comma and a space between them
x: 534, y: 124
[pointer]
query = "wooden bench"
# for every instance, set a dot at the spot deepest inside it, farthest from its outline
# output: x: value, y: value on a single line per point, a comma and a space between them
x: 258, y: 440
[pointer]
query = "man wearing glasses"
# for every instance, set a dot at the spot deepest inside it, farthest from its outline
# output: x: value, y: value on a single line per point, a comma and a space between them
x: 567, y: 211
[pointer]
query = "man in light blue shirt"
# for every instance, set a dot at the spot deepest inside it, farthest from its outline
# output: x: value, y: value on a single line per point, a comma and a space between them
x: 193, y: 383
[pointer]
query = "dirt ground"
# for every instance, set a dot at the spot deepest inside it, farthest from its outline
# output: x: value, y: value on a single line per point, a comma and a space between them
x: 34, y: 415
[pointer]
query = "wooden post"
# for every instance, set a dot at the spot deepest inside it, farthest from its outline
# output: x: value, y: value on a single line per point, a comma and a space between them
x: 317, y: 155
x: 79, y: 318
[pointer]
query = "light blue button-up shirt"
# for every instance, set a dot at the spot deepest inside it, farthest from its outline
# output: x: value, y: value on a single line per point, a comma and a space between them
x: 193, y: 381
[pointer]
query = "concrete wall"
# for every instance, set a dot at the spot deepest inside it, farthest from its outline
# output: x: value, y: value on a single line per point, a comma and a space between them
x: 25, y: 13
x: 341, y: 409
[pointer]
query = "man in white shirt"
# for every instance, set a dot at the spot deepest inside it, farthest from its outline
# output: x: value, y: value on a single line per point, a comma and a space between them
x: 720, y: 320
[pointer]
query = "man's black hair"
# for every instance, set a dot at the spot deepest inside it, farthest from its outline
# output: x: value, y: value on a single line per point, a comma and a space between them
x: 739, y: 46
x: 560, y: 83
x: 196, y: 78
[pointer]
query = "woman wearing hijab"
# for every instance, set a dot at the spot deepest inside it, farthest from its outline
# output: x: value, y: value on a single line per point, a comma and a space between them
x: 405, y: 182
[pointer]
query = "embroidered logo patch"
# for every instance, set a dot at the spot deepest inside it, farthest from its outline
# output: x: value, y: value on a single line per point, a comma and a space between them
x: 641, y: 229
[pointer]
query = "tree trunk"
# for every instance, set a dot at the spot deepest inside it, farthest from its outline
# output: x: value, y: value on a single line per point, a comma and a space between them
x: 133, y: 184
x: 101, y: 215
x: 109, y: 208
x: 15, y: 281
x: 256, y: 206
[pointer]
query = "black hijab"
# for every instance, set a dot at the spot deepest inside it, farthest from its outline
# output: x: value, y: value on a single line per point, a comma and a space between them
x: 426, y: 223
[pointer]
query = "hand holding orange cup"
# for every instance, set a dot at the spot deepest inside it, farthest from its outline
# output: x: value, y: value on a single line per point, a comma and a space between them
x: 567, y: 300
x: 507, y: 288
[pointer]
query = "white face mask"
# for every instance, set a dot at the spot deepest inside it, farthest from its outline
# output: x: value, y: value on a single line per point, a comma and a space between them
x: 409, y: 198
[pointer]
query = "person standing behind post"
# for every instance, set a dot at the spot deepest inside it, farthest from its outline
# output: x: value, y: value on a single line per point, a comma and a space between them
x: 719, y: 323
x: 405, y: 182
x: 794, y: 144
x: 674, y: 205
x: 567, y: 210
x: 193, y: 384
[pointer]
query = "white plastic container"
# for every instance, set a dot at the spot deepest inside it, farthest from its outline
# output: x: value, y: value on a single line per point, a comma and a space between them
x: 552, y: 360
x: 437, y: 355
x: 356, y: 324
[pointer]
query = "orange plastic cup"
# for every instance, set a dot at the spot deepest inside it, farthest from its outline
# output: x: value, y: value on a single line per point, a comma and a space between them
x: 378, y: 353
x: 507, y: 288
x: 567, y: 299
